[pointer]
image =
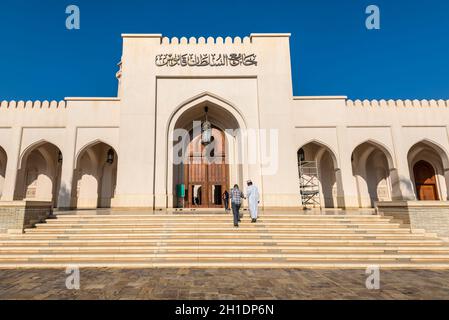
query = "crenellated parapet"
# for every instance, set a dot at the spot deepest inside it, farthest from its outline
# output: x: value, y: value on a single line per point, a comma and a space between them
x: 203, y: 40
x: 207, y: 40
x: 33, y: 104
x: 398, y: 103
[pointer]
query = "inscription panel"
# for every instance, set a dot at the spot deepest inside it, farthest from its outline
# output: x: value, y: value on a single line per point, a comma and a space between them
x: 205, y: 59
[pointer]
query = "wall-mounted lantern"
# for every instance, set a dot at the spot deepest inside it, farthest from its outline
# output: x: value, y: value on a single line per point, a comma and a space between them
x: 110, y: 156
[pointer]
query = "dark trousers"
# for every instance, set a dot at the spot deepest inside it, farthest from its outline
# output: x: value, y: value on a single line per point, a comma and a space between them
x: 235, y: 212
x: 226, y: 203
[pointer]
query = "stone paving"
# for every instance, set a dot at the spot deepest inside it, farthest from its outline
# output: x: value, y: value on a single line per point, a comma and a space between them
x: 199, y: 284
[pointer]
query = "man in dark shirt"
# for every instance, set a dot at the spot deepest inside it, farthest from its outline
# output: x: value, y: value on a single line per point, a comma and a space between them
x: 236, y: 202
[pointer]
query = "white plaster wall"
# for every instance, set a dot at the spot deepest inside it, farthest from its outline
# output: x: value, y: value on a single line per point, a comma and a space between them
x: 135, y: 124
x: 24, y: 125
x: 144, y: 105
x: 242, y: 93
x: 394, y: 125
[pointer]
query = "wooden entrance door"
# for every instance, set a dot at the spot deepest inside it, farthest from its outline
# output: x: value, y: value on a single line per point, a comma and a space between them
x: 206, y: 172
x: 425, y: 181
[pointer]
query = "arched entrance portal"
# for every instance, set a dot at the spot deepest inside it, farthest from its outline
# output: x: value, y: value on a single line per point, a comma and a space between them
x: 429, y: 165
x: 202, y: 172
x: 425, y: 181
x: 206, y: 171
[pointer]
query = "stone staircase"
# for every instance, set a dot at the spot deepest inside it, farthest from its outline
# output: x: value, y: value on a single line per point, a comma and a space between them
x: 168, y: 239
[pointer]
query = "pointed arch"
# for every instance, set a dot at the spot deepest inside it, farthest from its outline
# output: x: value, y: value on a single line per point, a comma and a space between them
x: 212, y: 98
x: 89, y: 145
x: 95, y: 175
x: 39, y: 172
x: 382, y: 147
x: 224, y: 115
x: 438, y: 148
x: 327, y: 181
x: 373, y: 171
x: 435, y: 156
x: 34, y: 146
x: 326, y: 147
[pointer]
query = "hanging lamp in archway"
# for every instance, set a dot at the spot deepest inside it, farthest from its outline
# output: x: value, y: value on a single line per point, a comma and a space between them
x: 206, y: 130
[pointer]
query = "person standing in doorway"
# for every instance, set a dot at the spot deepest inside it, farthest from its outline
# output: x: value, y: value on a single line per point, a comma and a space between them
x: 253, y: 200
x: 225, y: 198
x: 236, y: 202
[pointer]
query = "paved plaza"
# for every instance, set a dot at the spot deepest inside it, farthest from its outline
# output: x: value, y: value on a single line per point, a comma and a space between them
x: 201, y: 284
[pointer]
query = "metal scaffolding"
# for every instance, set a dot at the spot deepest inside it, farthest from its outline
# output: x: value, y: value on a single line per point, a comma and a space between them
x: 309, y: 183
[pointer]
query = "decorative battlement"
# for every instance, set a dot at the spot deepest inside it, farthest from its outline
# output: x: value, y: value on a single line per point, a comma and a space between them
x: 398, y: 103
x: 33, y: 104
x: 203, y: 40
x: 208, y: 40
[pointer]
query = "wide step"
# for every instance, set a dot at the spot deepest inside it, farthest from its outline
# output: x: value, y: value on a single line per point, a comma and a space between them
x: 284, y: 240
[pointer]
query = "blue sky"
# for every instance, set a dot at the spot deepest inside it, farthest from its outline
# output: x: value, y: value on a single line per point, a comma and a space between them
x: 332, y: 51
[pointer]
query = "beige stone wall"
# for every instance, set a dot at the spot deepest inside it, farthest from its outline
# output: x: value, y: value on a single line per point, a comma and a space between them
x: 71, y: 126
x: 431, y: 216
x: 393, y: 127
x: 15, y: 216
x: 152, y: 100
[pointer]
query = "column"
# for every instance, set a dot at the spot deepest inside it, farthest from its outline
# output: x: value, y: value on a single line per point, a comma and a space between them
x: 348, y: 193
x: 348, y: 189
x: 68, y: 165
x: 401, y: 183
x: 12, y: 165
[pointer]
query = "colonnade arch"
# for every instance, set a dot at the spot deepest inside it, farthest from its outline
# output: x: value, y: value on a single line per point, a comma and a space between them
x: 429, y: 170
x: 328, y: 171
x: 94, y: 176
x: 39, y: 173
x: 373, y: 171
